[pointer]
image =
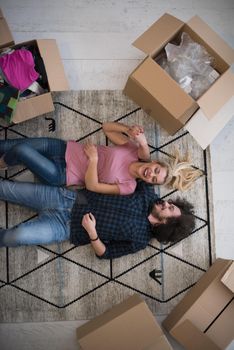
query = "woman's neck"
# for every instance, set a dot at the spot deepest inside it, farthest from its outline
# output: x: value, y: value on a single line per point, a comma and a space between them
x: 133, y: 169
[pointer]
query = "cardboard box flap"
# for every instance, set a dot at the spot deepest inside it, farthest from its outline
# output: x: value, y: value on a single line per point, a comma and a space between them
x: 33, y: 107
x: 218, y: 94
x: 228, y: 278
x: 210, y: 128
x: 212, y: 38
x: 221, y: 330
x: 161, y: 86
x: 192, y: 338
x: 158, y: 34
x: 53, y: 63
x: 6, y: 38
x: 160, y: 344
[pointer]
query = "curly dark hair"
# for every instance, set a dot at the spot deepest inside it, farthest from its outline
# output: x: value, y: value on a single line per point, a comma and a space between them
x: 176, y: 229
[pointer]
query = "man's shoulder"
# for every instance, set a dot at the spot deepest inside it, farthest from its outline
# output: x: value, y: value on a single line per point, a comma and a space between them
x: 144, y: 187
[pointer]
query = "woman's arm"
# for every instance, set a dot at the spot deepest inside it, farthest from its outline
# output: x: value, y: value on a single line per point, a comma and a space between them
x: 114, y: 132
x: 89, y: 224
x: 91, y: 175
x: 143, y: 148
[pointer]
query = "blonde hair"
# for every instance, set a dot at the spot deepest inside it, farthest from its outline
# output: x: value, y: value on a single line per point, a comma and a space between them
x: 181, y: 173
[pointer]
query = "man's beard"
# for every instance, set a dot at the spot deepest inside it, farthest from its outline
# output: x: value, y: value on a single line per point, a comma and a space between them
x: 154, y: 211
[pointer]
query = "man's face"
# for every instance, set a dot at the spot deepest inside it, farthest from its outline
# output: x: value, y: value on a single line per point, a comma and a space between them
x: 163, y: 210
x: 153, y: 173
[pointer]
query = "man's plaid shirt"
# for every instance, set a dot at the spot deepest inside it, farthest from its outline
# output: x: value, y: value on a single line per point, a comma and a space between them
x: 121, y: 221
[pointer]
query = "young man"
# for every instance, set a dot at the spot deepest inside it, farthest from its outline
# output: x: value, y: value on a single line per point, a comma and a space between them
x: 114, y: 225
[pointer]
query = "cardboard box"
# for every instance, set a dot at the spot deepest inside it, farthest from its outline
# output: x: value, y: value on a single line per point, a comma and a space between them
x: 204, y: 319
x: 57, y: 81
x: 127, y: 326
x: 161, y: 97
x: 6, y: 39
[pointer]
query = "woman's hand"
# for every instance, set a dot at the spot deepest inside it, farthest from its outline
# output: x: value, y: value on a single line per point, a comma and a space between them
x: 135, y: 130
x: 89, y: 224
x: 141, y: 139
x: 136, y: 133
x: 91, y: 151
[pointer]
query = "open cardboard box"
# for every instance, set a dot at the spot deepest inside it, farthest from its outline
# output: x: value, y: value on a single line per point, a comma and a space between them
x: 162, y: 98
x: 129, y: 325
x: 204, y: 318
x: 57, y: 81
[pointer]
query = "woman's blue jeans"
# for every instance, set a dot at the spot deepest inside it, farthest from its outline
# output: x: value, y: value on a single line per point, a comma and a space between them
x: 44, y: 156
x: 53, y: 205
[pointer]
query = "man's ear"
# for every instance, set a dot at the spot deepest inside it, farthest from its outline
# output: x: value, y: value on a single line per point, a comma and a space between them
x: 155, y: 221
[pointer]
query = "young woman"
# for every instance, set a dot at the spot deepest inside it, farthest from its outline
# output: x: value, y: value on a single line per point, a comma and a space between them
x: 102, y: 169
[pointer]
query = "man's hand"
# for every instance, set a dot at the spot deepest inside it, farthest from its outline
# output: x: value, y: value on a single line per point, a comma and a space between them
x: 91, y: 151
x: 89, y: 224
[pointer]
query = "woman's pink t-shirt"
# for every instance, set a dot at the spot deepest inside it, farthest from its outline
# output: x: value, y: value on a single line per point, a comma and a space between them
x: 113, y: 164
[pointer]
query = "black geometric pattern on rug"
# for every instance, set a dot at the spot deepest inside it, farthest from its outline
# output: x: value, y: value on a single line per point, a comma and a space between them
x: 156, y: 274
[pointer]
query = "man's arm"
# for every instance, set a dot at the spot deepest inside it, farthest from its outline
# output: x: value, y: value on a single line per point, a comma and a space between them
x: 113, y: 249
x: 89, y: 223
x: 91, y: 176
x: 116, y: 249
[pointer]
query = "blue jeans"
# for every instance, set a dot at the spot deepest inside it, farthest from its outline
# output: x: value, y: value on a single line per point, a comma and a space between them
x: 44, y: 156
x: 53, y: 205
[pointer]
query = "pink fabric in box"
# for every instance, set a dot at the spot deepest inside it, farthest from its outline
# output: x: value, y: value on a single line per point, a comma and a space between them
x: 18, y: 69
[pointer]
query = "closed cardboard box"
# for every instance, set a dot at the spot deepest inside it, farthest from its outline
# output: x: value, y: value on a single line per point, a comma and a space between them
x: 54, y: 71
x: 127, y: 326
x: 160, y: 96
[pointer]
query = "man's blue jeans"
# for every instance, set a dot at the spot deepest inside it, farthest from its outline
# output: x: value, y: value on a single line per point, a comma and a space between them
x: 44, y: 156
x: 53, y: 205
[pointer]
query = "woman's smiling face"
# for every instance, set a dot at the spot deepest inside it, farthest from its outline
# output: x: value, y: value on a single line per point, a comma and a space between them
x: 153, y: 173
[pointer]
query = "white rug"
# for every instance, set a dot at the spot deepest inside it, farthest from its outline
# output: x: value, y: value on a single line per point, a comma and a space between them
x: 60, y: 282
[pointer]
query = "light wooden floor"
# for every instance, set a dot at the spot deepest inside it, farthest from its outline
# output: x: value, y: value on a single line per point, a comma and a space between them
x: 94, y: 37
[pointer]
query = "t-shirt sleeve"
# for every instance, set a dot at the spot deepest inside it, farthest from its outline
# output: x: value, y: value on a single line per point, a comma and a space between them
x: 127, y: 187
